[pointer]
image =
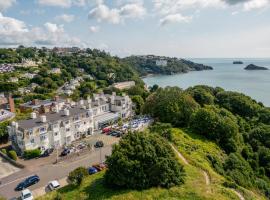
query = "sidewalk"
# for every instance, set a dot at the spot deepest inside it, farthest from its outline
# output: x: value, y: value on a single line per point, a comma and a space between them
x: 43, y: 190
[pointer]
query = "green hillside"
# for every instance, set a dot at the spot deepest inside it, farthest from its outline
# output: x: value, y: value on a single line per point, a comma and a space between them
x: 196, y: 187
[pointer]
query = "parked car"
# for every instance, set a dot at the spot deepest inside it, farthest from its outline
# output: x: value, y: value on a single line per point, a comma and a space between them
x: 100, y: 166
x: 53, y: 185
x: 81, y: 146
x: 92, y: 170
x: 115, y: 133
x: 65, y: 152
x: 99, y: 144
x: 26, y: 195
x: 106, y: 130
x: 47, y: 152
x: 27, y: 182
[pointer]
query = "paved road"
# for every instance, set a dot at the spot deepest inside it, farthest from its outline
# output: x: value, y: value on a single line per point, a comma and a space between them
x: 6, y: 168
x: 50, y: 172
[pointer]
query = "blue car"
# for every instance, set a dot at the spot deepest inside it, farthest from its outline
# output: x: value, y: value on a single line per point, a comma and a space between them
x: 27, y: 182
x: 92, y: 170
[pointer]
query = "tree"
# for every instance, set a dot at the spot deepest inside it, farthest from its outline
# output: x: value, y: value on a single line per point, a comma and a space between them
x: 201, y: 95
x: 77, y: 175
x: 138, y: 101
x: 171, y: 105
x: 217, y: 124
x: 163, y: 129
x: 143, y: 160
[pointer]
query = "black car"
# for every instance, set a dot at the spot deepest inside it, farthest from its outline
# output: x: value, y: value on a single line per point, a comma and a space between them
x: 99, y: 144
x: 27, y: 182
x: 47, y: 152
x: 115, y: 133
x: 65, y: 152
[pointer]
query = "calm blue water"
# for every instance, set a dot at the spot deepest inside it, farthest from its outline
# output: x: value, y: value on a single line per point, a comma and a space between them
x: 226, y: 75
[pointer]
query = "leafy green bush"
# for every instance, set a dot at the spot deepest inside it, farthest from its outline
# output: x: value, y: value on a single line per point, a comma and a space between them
x: 13, y: 155
x: 28, y: 154
x: 58, y: 196
x: 77, y: 175
x: 4, y: 151
x: 143, y: 160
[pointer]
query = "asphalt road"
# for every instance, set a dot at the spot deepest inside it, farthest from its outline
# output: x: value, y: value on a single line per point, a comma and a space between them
x: 50, y: 172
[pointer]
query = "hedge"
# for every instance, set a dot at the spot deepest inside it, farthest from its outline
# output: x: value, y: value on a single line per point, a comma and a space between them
x: 13, y: 155
x: 4, y: 151
x: 28, y: 154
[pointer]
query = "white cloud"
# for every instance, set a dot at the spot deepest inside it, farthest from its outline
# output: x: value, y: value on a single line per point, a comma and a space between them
x: 133, y: 10
x: 94, y: 29
x: 103, y: 13
x: 62, y: 3
x: 255, y: 4
x: 65, y: 17
x: 5, y: 4
x: 116, y: 15
x: 174, y: 18
x: 16, y: 32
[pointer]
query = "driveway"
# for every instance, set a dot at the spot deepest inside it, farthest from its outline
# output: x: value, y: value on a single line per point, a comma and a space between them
x: 6, y: 168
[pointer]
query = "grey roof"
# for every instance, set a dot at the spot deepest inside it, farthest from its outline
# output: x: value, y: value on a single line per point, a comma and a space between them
x: 50, y: 118
x: 42, y: 102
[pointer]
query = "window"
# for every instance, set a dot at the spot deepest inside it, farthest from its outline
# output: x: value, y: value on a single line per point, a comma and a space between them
x: 76, y: 118
x: 56, y: 133
x: 66, y: 122
x: 55, y: 126
x: 32, y: 141
x: 30, y: 131
x: 42, y: 129
x: 43, y: 137
x: 67, y: 130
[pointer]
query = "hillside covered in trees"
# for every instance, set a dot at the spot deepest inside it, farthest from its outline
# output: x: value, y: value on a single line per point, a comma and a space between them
x: 151, y: 64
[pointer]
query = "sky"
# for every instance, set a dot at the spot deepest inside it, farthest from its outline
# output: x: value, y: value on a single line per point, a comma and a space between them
x: 179, y: 28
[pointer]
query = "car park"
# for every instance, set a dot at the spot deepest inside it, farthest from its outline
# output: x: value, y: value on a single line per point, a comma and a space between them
x: 26, y: 195
x: 53, y: 185
x: 92, y: 170
x: 99, y: 144
x: 27, y: 182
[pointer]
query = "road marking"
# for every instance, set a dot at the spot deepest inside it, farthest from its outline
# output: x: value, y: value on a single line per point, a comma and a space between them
x: 2, y: 185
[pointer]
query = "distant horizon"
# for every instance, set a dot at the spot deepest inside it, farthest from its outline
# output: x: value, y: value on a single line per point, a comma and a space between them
x: 176, y: 28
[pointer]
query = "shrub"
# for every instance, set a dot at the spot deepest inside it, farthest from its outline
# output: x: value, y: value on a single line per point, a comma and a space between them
x: 13, y: 155
x: 28, y: 154
x: 4, y: 151
x: 141, y: 161
x: 77, y: 175
x: 58, y: 196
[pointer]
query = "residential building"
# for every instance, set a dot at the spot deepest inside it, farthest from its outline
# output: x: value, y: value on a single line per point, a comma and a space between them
x: 161, y: 63
x: 7, y: 103
x: 5, y: 114
x: 13, y: 79
x: 62, y: 127
x: 55, y: 71
x: 124, y: 85
x: 4, y: 68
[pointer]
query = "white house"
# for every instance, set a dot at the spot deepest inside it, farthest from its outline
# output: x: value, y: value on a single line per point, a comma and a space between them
x: 61, y: 127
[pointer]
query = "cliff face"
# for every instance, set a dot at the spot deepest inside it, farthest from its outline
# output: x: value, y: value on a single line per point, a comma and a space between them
x: 255, y: 67
x: 151, y: 64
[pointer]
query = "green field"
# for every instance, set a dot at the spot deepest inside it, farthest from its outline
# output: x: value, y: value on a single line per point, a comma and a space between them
x: 194, y: 150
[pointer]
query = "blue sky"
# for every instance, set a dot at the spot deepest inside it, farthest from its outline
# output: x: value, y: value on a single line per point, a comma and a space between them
x: 181, y: 28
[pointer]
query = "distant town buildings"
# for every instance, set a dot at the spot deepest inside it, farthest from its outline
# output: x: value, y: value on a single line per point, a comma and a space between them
x: 124, y: 85
x: 55, y: 71
x: 27, y: 62
x: 13, y: 79
x: 4, y: 68
x: 69, y: 122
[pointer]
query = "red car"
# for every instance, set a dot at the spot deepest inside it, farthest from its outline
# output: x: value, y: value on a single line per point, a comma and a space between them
x: 106, y: 130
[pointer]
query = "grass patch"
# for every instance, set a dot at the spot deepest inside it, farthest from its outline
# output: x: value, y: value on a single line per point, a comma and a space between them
x: 195, y: 149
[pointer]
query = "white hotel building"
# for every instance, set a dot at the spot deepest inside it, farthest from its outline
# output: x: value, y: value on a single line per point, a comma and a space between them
x: 62, y: 127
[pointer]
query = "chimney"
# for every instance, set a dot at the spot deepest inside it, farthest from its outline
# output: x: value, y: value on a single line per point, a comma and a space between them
x: 33, y: 115
x: 43, y: 118
x: 35, y: 101
x: 11, y: 104
x: 66, y: 112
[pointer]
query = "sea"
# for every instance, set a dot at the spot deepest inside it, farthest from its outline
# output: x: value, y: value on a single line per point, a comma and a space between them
x: 227, y: 75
